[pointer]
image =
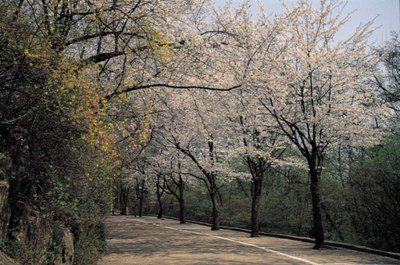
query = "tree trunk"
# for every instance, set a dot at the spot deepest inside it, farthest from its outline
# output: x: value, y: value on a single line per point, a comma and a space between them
x: 215, y: 213
x: 134, y: 207
x: 182, y: 211
x: 213, y: 187
x: 140, y: 206
x: 123, y: 209
x: 159, y: 199
x: 255, y: 205
x: 160, y: 211
x: 316, y: 209
x: 123, y: 202
x: 16, y: 208
x: 160, y: 206
x: 141, y: 198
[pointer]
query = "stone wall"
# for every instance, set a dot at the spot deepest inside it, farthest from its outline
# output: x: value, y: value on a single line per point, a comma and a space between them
x: 6, y: 260
x: 36, y: 231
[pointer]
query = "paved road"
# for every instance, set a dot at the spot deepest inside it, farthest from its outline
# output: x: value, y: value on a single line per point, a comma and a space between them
x: 147, y: 241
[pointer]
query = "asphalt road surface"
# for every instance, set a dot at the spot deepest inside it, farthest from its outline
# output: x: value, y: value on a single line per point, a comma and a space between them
x: 147, y: 241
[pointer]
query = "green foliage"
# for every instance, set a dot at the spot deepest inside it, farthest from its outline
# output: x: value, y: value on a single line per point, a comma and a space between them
x: 374, y: 194
x: 26, y: 254
x: 285, y: 203
x: 198, y: 209
x: 360, y: 205
x: 90, y: 242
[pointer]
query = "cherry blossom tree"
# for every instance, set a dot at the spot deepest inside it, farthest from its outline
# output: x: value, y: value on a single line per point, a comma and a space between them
x: 242, y: 42
x: 169, y: 170
x: 259, y: 146
x: 318, y: 88
x: 176, y: 183
x: 191, y: 124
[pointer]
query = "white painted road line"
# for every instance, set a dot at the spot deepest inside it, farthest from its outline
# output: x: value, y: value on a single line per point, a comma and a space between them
x: 235, y: 241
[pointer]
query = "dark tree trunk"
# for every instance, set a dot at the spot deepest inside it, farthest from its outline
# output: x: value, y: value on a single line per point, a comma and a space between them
x: 160, y: 211
x: 123, y: 209
x: 213, y: 187
x: 316, y: 209
x: 179, y: 195
x: 160, y: 204
x: 257, y: 167
x: 123, y: 201
x: 182, y: 211
x: 159, y: 193
x: 140, y: 206
x: 215, y: 214
x: 213, y: 197
x: 255, y: 205
x: 141, y: 198
x: 134, y: 206
x: 210, y: 180
x: 16, y: 209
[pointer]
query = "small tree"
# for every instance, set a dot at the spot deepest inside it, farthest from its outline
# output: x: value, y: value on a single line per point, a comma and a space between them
x: 176, y: 185
x: 256, y: 143
x: 191, y: 123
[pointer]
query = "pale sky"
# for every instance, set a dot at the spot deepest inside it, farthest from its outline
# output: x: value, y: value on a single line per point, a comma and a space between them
x: 385, y: 11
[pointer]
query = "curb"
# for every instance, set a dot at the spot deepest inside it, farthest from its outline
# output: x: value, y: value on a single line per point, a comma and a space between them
x: 304, y: 239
